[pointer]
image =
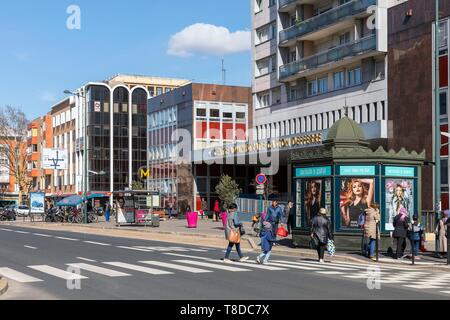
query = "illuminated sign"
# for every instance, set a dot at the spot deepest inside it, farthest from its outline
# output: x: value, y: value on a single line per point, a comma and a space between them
x: 407, y: 172
x: 313, y: 172
x: 357, y: 170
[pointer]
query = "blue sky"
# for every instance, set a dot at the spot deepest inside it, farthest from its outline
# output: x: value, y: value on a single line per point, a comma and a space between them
x: 40, y: 57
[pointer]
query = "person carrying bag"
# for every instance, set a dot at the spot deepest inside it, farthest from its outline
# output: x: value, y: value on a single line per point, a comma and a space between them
x: 233, y: 234
x: 321, y: 234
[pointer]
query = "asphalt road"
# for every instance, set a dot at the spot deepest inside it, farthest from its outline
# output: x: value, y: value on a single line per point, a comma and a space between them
x: 35, y: 261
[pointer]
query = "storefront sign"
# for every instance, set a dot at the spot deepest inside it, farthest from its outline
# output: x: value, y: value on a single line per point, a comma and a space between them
x: 407, y: 172
x: 356, y: 171
x: 313, y: 172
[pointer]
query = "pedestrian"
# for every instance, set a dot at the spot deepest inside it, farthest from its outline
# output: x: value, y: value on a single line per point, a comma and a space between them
x: 321, y: 233
x: 274, y: 216
x: 415, y: 234
x: 107, y: 212
x: 370, y: 229
x: 233, y: 224
x: 216, y: 211
x: 171, y: 212
x: 267, y: 237
x: 400, y: 231
x: 204, y: 207
x: 441, y: 234
x: 290, y: 220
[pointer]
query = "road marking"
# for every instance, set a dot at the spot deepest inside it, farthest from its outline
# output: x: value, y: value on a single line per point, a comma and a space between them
x: 375, y: 265
x: 42, y: 235
x: 58, y: 272
x: 136, y: 249
x: 7, y: 230
x: 86, y: 259
x: 98, y: 243
x: 187, y: 256
x: 422, y: 286
x: 137, y: 268
x: 330, y: 272
x: 321, y: 266
x: 253, y: 264
x: 292, y: 266
x: 99, y: 270
x: 175, y: 266
x: 22, y: 232
x: 160, y: 248
x: 446, y: 292
x: 17, y: 276
x: 30, y: 247
x: 69, y: 239
x: 212, y: 265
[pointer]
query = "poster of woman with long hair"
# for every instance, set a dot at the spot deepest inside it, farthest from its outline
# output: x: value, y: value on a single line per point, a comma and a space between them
x: 313, y: 199
x: 399, y: 194
x: 356, y: 196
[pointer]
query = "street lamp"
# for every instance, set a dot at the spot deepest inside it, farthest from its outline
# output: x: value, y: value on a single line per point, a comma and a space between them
x: 85, y: 140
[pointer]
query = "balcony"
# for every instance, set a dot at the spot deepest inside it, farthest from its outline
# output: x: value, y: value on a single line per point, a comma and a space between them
x: 338, y: 18
x: 316, y: 63
x: 288, y: 5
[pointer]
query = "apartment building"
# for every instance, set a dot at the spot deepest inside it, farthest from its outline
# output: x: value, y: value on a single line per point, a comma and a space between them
x: 39, y: 136
x: 313, y: 61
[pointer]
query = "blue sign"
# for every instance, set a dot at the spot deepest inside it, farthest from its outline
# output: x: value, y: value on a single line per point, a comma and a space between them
x: 313, y: 172
x: 357, y: 171
x: 37, y: 202
x: 403, y: 172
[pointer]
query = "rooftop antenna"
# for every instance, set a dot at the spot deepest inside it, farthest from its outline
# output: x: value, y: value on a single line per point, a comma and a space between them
x: 224, y: 72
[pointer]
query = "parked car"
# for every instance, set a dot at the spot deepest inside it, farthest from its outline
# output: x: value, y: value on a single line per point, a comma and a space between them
x: 21, y: 211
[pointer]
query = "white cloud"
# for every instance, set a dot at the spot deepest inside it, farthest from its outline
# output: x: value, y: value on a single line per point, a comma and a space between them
x: 208, y: 39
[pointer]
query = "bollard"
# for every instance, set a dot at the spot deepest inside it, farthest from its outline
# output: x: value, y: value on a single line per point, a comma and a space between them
x: 377, y: 241
x: 448, y: 243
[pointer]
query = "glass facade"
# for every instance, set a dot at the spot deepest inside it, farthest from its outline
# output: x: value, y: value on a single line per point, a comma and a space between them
x: 139, y: 131
x: 120, y: 132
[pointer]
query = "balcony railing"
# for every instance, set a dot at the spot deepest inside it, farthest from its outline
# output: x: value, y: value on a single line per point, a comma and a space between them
x: 347, y: 50
x: 322, y: 20
x: 284, y: 3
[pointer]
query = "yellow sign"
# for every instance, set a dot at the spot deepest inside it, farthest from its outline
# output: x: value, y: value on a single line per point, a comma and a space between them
x: 144, y: 173
x: 275, y: 144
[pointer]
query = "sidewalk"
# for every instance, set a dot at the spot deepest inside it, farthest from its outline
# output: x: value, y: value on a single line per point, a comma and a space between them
x: 209, y: 233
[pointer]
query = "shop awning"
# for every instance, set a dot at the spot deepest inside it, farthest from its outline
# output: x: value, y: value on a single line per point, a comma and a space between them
x: 70, y: 201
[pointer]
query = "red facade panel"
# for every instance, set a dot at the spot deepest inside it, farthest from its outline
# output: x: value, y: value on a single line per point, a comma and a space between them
x: 444, y: 139
x: 443, y: 71
x: 200, y: 132
x: 241, y: 130
x: 227, y: 131
x: 214, y: 131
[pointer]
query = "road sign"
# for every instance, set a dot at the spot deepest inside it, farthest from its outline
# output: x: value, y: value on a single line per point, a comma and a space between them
x: 54, y: 158
x: 261, y: 179
x: 260, y: 192
x: 260, y: 187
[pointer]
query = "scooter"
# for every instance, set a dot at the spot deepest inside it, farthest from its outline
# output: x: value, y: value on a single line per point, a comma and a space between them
x: 54, y: 215
x: 7, y: 215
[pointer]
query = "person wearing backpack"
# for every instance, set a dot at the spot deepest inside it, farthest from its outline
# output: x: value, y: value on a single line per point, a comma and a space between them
x: 321, y: 233
x: 372, y: 216
x: 233, y: 223
x: 415, y: 233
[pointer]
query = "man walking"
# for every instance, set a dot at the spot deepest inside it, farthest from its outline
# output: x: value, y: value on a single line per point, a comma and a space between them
x: 274, y: 216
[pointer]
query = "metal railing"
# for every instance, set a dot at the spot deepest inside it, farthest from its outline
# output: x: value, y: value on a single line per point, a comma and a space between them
x: 284, y: 3
x: 429, y: 221
x: 322, y: 20
x: 347, y: 50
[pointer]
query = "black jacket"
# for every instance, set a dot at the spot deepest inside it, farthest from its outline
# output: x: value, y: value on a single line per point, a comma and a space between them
x: 401, y: 227
x: 321, y: 229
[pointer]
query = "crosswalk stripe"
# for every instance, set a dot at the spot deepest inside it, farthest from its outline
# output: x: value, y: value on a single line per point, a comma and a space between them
x: 422, y: 286
x: 378, y: 266
x: 321, y: 266
x: 57, y: 272
x: 168, y: 249
x: 446, y: 292
x: 137, y: 268
x: 22, y: 232
x: 86, y: 259
x: 292, y: 266
x: 6, y: 230
x: 135, y: 249
x: 186, y: 256
x: 98, y: 243
x: 253, y: 264
x: 17, y: 276
x: 69, y: 239
x: 42, y: 235
x: 30, y: 247
x: 212, y: 265
x: 330, y: 272
x: 99, y: 270
x: 175, y: 266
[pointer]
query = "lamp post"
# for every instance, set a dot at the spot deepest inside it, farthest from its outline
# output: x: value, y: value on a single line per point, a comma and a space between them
x: 437, y: 129
x: 85, y: 164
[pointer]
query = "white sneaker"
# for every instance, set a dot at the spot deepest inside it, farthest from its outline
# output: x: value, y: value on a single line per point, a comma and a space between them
x: 227, y: 260
x: 258, y: 260
x: 321, y: 261
x: 243, y: 259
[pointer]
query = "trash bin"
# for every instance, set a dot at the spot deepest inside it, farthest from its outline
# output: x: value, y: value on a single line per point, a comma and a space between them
x: 155, y: 220
x: 192, y: 219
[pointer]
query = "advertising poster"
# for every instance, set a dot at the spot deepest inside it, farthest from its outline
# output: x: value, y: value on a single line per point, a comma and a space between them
x: 125, y: 210
x: 356, y: 195
x: 313, y: 198
x: 399, y: 194
x: 298, y: 217
x: 37, y: 202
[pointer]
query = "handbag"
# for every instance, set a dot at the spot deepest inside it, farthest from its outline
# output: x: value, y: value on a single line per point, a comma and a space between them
x: 282, y: 232
x: 241, y: 229
x: 313, y: 243
x: 331, y: 248
x: 234, y: 236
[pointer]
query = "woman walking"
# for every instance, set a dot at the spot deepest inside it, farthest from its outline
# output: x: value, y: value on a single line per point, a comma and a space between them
x: 370, y: 229
x: 440, y: 233
x: 321, y: 232
x: 401, y: 222
x: 233, y: 225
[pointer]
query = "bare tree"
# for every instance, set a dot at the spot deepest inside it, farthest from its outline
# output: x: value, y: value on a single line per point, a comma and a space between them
x: 13, y: 147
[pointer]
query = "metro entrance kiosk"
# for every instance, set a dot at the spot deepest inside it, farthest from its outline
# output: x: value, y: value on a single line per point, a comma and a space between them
x: 332, y: 172
x: 135, y: 206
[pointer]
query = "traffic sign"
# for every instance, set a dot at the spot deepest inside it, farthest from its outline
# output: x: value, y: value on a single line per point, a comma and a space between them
x: 261, y: 179
x: 260, y: 192
x: 260, y: 187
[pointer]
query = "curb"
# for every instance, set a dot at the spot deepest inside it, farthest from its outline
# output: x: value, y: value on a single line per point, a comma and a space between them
x: 3, y: 285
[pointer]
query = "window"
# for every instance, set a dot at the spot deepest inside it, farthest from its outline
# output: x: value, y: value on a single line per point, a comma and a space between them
x: 151, y: 91
x: 258, y: 6
x: 379, y: 70
x: 159, y: 91
x: 262, y: 35
x: 354, y: 77
x: 443, y: 103
x: 272, y: 2
x: 262, y: 67
x: 201, y: 112
x: 312, y: 87
x: 323, y: 85
x: 240, y: 115
x: 341, y: 2
x: 35, y: 148
x: 292, y: 56
x: 264, y: 100
x: 444, y: 171
x: 228, y: 115
x: 443, y: 35
x: 34, y: 132
x: 168, y: 90
x: 293, y: 94
x: 273, y: 62
x: 214, y: 113
x: 338, y: 80
x: 344, y: 38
